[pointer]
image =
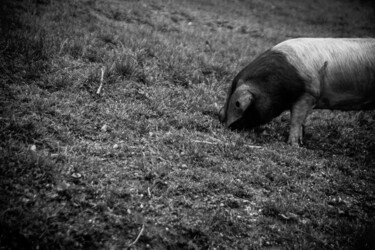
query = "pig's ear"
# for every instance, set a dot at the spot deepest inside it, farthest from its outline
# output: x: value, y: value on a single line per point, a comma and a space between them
x: 244, y: 98
x: 240, y: 101
x: 240, y: 83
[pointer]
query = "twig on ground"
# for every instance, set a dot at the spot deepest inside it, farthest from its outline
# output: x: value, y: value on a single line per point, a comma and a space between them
x: 101, y: 82
x: 252, y: 146
x: 225, y: 144
x: 206, y: 142
x: 139, y: 235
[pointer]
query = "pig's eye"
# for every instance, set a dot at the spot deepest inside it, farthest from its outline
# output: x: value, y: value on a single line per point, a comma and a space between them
x: 238, y: 104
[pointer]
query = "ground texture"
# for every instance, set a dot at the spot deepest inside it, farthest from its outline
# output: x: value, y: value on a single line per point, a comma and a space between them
x: 145, y: 163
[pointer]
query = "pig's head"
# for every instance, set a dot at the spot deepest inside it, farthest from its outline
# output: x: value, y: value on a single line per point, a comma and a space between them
x: 238, y: 103
x: 240, y: 111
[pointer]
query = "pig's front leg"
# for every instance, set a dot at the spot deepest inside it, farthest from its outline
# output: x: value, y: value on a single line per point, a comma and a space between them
x: 298, y: 115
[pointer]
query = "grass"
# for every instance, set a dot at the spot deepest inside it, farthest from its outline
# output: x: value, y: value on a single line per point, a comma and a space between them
x: 146, y: 164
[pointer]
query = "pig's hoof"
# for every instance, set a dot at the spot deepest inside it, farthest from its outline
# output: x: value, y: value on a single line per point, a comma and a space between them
x: 295, y: 142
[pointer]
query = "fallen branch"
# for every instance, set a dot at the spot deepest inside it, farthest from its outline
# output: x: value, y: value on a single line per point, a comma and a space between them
x: 139, y: 235
x: 101, y: 82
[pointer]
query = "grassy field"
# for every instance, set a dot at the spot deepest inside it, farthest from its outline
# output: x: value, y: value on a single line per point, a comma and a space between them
x: 145, y: 163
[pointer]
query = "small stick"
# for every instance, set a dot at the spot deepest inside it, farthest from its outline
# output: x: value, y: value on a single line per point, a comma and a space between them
x: 207, y: 142
x: 139, y: 235
x: 252, y: 146
x: 226, y: 144
x: 101, y: 82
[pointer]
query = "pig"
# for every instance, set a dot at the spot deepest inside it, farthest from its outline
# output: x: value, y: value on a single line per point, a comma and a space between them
x: 299, y: 75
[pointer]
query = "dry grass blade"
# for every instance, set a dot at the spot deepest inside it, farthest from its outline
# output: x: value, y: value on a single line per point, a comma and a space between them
x: 101, y: 81
x: 139, y: 235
